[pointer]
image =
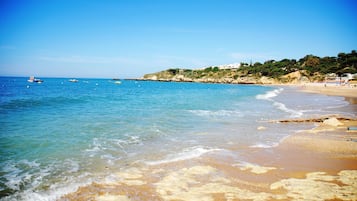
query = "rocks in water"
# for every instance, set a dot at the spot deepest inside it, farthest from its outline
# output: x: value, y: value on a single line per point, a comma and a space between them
x: 260, y: 128
x: 332, y: 122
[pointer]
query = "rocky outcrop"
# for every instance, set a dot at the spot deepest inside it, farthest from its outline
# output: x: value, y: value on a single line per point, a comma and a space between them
x: 297, y: 77
x: 331, y: 120
x: 229, y: 76
x: 208, y: 79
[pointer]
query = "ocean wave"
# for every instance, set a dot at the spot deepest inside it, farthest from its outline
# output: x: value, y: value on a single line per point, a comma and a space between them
x: 19, y: 174
x: 268, y: 96
x: 31, y: 180
x: 186, y: 154
x: 95, y: 147
x: 103, y: 144
x: 338, y: 105
x: 55, y: 192
x: 282, y: 107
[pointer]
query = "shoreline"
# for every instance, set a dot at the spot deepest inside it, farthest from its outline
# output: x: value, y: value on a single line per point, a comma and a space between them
x: 315, y: 164
x: 347, y: 91
x: 321, y: 88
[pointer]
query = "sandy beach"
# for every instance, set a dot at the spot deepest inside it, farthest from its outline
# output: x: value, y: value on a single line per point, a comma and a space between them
x: 316, y: 164
x: 348, y: 91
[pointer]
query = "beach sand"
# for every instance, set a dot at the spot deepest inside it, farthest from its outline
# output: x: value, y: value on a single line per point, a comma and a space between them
x: 330, y: 89
x: 316, y: 164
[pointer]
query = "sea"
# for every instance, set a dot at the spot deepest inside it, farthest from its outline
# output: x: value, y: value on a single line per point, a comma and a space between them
x: 57, y: 136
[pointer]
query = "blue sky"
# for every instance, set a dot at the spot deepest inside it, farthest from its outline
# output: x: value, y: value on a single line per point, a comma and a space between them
x: 129, y: 38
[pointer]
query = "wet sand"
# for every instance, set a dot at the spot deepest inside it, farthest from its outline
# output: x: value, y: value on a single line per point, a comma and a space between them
x: 318, y: 164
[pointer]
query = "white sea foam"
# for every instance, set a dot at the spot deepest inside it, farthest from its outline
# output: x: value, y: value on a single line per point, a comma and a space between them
x: 339, y: 104
x: 271, y: 145
x: 16, y: 176
x: 95, y: 148
x: 33, y: 176
x: 281, y: 106
x: 55, y: 192
x: 264, y: 146
x: 101, y: 147
x: 186, y: 154
x: 270, y: 94
x: 217, y: 113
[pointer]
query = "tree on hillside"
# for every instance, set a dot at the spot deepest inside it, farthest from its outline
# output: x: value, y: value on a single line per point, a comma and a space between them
x: 242, y: 64
x: 341, y: 57
x: 328, y: 65
x: 173, y: 71
x: 312, y: 61
x: 347, y: 62
x: 352, y: 59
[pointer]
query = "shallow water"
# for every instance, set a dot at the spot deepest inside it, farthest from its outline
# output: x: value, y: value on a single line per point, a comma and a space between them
x: 58, y: 135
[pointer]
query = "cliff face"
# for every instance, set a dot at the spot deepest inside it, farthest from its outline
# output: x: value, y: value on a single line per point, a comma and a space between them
x: 230, y: 76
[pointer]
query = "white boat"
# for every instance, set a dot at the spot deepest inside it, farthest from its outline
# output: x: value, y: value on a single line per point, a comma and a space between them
x: 116, y: 81
x: 33, y: 79
x: 73, y: 80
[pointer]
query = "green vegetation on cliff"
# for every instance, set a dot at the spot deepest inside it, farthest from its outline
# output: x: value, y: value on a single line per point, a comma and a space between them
x: 310, y: 67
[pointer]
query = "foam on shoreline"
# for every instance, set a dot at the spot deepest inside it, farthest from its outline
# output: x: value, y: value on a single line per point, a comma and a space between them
x: 186, y: 154
x: 288, y: 171
x: 268, y: 96
x: 182, y: 160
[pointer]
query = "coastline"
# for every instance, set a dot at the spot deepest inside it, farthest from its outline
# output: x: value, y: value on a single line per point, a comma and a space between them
x: 286, y: 172
x: 315, y: 164
x: 349, y: 91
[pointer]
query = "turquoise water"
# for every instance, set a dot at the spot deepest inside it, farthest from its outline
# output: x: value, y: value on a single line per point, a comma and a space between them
x: 58, y: 135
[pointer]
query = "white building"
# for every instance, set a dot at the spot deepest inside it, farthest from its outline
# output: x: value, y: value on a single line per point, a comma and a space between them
x: 229, y: 66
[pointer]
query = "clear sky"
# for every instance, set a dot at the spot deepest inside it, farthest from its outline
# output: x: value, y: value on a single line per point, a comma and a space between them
x: 129, y: 38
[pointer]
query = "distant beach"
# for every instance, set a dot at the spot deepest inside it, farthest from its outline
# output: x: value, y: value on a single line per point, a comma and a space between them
x: 349, y: 91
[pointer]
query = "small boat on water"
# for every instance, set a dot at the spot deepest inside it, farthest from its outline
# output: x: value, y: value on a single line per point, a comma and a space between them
x: 33, y: 79
x: 116, y: 81
x: 73, y: 80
